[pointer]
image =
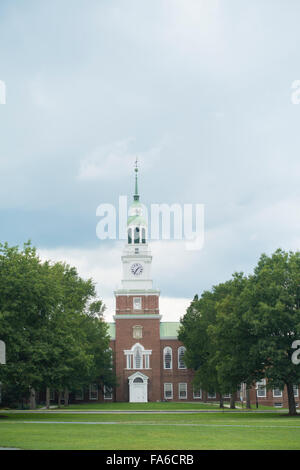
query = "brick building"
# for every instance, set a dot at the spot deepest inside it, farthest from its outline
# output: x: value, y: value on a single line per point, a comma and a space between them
x: 149, y: 358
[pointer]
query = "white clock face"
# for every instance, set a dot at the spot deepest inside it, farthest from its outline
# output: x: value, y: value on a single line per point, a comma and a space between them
x: 136, y: 269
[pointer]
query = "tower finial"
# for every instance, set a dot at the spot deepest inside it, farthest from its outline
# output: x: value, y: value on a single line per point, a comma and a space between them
x: 136, y: 196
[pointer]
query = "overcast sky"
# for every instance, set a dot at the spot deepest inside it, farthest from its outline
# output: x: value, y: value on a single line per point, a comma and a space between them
x: 199, y: 89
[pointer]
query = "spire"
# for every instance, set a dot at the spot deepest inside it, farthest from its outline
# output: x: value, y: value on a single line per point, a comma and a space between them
x: 136, y: 196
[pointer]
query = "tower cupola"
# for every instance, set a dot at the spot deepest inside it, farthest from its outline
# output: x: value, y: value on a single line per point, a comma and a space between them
x: 136, y: 222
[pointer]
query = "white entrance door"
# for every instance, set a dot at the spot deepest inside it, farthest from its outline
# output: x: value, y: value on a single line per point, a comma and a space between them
x: 138, y: 391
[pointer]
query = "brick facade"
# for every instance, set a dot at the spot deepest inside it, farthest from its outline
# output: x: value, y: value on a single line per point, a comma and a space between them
x: 138, y: 337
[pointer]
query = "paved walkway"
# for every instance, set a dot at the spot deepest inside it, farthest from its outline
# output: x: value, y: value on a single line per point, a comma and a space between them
x: 145, y: 423
x: 9, y: 448
x: 128, y: 412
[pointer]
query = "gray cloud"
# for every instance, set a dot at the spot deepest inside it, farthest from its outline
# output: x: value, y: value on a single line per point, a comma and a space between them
x: 199, y: 89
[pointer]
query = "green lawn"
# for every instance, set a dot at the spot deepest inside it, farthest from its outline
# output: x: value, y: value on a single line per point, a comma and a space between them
x: 145, y: 431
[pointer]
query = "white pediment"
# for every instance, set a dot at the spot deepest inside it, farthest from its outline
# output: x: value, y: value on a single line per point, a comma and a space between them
x: 138, y: 375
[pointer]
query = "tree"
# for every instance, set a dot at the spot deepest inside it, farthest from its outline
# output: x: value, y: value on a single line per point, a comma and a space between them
x: 27, y: 298
x: 244, y: 329
x: 52, y: 325
x: 236, y: 356
x: 273, y: 314
x: 201, y: 354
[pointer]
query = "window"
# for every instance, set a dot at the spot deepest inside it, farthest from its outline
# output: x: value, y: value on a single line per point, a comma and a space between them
x: 296, y: 391
x: 138, y: 380
x: 107, y: 392
x: 129, y: 235
x: 261, y: 389
x: 182, y: 391
x: 146, y: 361
x: 79, y: 394
x: 197, y: 393
x: 211, y: 395
x: 168, y: 358
x: 93, y: 392
x: 277, y: 392
x: 136, y: 251
x: 137, y: 357
x: 181, y: 364
x: 168, y: 391
x: 227, y: 395
x: 278, y: 405
x: 111, y: 358
x: 52, y: 395
x: 128, y: 361
x: 137, y: 332
x: 143, y: 235
x: 137, y: 303
x: 136, y: 235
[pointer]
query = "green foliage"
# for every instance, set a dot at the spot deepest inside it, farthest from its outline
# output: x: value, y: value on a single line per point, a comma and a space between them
x: 243, y: 330
x: 52, y: 325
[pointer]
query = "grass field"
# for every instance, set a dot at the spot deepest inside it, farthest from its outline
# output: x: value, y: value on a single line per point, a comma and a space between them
x: 141, y: 431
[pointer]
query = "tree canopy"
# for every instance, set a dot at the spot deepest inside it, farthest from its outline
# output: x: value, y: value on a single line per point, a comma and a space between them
x: 243, y: 330
x: 52, y: 324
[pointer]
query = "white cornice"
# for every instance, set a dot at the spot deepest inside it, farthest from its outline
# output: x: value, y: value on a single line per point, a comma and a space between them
x: 133, y: 316
x: 137, y: 291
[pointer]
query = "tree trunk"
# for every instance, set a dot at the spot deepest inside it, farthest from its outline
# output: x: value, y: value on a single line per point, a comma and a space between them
x: 32, y: 399
x: 291, y: 398
x: 66, y: 397
x: 248, y: 402
x: 232, y: 401
x: 59, y: 399
x: 47, y: 398
x: 221, y: 401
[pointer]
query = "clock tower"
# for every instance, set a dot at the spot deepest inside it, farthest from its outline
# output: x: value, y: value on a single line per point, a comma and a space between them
x: 137, y: 316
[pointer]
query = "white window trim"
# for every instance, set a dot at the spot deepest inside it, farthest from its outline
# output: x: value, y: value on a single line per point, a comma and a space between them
x: 140, y: 303
x: 261, y: 384
x: 90, y: 392
x: 277, y: 396
x: 296, y: 389
x: 104, y: 392
x: 182, y: 398
x: 178, y: 353
x: 171, y: 397
x: 278, y: 405
x: 212, y: 397
x: 200, y: 394
x: 164, y: 355
x: 130, y: 358
x: 137, y: 332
